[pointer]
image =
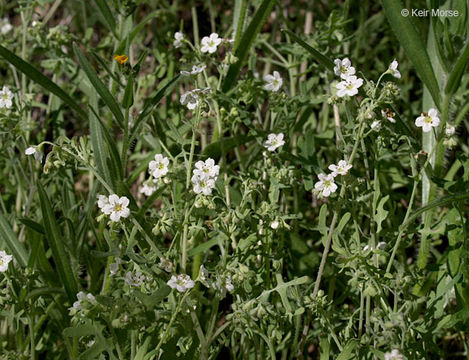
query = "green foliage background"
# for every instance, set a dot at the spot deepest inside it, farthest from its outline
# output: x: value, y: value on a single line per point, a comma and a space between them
x: 100, y: 124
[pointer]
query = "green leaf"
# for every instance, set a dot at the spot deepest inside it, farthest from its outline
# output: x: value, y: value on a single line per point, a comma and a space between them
x: 150, y: 301
x: 36, y: 76
x: 97, y: 143
x: 81, y: 330
x: 32, y: 225
x: 150, y: 104
x: 13, y: 245
x: 245, y: 44
x: 324, y: 348
x: 436, y: 203
x: 457, y: 72
x: 128, y: 99
x: 347, y: 352
x: 99, y: 86
x: 381, y: 213
x: 413, y: 46
x: 203, y: 247
x: 320, y: 58
x: 214, y: 149
x: 107, y: 15
x: 135, y: 31
x: 116, y: 169
x: 56, y: 243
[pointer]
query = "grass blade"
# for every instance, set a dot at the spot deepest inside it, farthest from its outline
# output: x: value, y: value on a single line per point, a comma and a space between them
x: 457, y: 72
x: 99, y: 86
x: 107, y: 15
x: 413, y: 46
x: 320, y: 58
x: 12, y: 242
x: 149, y: 105
x: 36, y: 76
x: 246, y: 42
x: 56, y: 244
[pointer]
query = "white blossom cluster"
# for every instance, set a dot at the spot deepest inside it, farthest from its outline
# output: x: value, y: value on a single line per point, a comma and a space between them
x: 114, y: 206
x: 349, y: 83
x: 84, y: 301
x: 326, y: 184
x: 221, y: 283
x: 204, y: 176
x: 192, y: 99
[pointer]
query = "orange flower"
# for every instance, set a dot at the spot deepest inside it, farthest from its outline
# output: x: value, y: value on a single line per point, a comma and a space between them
x: 121, y: 59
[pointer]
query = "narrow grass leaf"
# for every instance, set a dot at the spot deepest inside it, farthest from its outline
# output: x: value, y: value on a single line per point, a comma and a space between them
x: 55, y: 240
x: 457, y: 71
x: 150, y: 104
x: 13, y: 244
x: 99, y: 86
x: 35, y: 75
x: 246, y: 42
x: 107, y: 15
x: 413, y: 45
x: 320, y: 58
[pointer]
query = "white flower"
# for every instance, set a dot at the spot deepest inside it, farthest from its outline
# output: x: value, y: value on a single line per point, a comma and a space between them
x: 195, y: 70
x: 5, y: 98
x: 203, y: 184
x: 223, y: 284
x: 113, y: 268
x: 450, y: 130
x: 82, y: 299
x: 166, y: 265
x: 159, y: 166
x: 204, y: 276
x: 190, y: 99
x: 343, y: 68
x: 381, y: 245
x: 206, y: 169
x: 326, y: 184
x: 274, y: 141
x: 210, y: 43
x: 388, y: 114
x: 147, y: 189
x: 5, y: 26
x: 32, y: 150
x: 178, y: 37
x: 341, y: 168
x: 274, y: 82
x: 349, y: 86
x: 181, y: 282
x: 117, y: 207
x: 393, y: 355
x: 376, y: 125
x: 4, y: 260
x: 274, y: 225
x: 393, y: 69
x: 228, y: 285
x: 428, y: 120
x: 136, y: 279
x: 102, y: 201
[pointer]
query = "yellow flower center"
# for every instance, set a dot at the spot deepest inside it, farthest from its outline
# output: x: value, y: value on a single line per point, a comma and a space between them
x: 428, y: 120
x: 118, y: 207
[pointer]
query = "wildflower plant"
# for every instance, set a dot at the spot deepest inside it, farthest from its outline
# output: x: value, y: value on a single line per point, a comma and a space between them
x: 214, y: 180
